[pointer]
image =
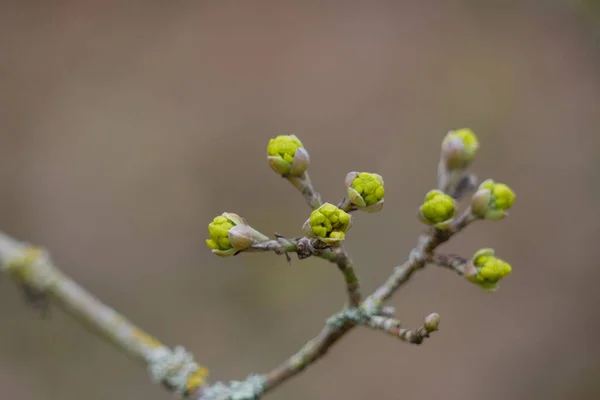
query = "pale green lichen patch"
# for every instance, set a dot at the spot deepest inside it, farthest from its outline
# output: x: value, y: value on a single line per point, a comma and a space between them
x: 20, y: 267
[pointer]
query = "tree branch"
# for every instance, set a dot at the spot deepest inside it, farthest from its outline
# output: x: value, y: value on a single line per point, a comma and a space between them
x: 176, y: 369
x: 306, y: 247
x: 32, y: 268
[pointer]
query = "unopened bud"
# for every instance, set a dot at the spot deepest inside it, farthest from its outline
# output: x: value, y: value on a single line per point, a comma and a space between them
x: 365, y: 190
x: 328, y: 223
x: 486, y: 270
x: 432, y: 321
x: 244, y: 236
x: 459, y: 148
x: 287, y: 156
x: 437, y: 209
x: 229, y: 233
x: 492, y: 200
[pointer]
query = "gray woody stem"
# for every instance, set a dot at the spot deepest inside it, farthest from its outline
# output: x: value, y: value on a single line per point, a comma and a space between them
x: 319, y: 345
x: 306, y: 247
x: 451, y: 261
x: 346, y: 205
x: 32, y: 268
x: 304, y: 185
x: 456, y: 183
x: 393, y: 327
x: 342, y: 258
x: 345, y: 265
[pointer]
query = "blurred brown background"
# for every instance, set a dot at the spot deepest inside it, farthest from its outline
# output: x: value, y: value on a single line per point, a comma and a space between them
x: 126, y: 126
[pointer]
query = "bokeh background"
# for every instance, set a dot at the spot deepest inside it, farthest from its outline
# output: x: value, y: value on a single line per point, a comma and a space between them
x: 126, y: 126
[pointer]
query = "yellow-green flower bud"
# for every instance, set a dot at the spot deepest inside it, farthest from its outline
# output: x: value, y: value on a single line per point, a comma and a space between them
x: 492, y: 200
x: 459, y: 148
x: 432, y: 321
x: 287, y: 156
x: 328, y: 223
x: 438, y: 209
x: 229, y: 233
x: 365, y: 190
x: 486, y: 270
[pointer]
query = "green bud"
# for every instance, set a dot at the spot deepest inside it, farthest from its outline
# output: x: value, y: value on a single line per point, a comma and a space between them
x: 287, y: 156
x: 492, y: 200
x: 229, y: 233
x: 486, y: 270
x: 437, y: 209
x: 432, y: 321
x: 459, y: 148
x: 365, y: 190
x: 328, y: 223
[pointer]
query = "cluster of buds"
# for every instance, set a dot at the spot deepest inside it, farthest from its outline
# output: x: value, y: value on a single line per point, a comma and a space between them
x: 459, y: 148
x: 492, y: 200
x: 365, y: 191
x: 328, y: 223
x: 229, y: 234
x: 485, y: 270
x: 438, y: 209
x: 287, y: 156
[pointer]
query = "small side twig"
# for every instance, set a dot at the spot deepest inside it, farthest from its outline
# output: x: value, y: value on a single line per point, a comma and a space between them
x: 466, y: 183
x: 346, y: 205
x: 304, y: 185
x: 393, y: 327
x: 306, y: 247
x: 453, y: 262
x: 345, y: 265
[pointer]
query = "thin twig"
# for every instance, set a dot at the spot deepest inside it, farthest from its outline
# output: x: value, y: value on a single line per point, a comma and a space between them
x: 453, y: 262
x: 466, y: 184
x: 457, y: 182
x: 346, y: 205
x: 345, y: 265
x: 304, y: 185
x: 306, y: 247
x: 393, y: 327
x: 319, y: 345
